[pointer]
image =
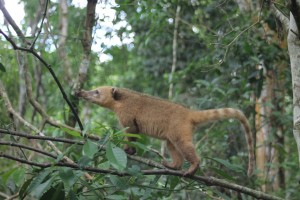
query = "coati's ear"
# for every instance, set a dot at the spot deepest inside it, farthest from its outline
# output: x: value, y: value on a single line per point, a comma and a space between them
x: 116, y: 94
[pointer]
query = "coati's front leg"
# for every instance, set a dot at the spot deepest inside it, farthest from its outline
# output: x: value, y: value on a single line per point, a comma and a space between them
x: 128, y: 149
x: 132, y: 127
x: 177, y: 158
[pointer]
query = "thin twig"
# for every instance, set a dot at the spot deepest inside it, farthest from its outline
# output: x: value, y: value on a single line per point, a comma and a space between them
x: 22, y: 146
x: 38, y: 137
x: 40, y: 29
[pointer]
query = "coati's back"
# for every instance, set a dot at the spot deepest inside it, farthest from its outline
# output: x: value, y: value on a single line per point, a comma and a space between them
x: 153, y: 116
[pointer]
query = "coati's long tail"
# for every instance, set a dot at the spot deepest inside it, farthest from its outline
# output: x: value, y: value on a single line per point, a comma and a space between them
x: 205, y: 116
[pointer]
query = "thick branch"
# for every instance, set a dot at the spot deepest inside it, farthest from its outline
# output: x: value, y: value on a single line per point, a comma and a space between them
x: 210, y: 181
x: 295, y: 10
x: 280, y: 16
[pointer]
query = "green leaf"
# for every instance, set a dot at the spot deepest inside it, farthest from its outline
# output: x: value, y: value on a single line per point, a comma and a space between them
x: 116, y: 197
x: 84, y: 161
x: 118, y: 182
x: 228, y: 165
x: 90, y: 149
x: 134, y: 135
x: 19, y: 176
x: 68, y: 177
x: 72, y: 195
x: 222, y: 173
x: 7, y: 174
x: 116, y: 156
x: 23, y: 189
x: 38, y: 180
x: 42, y: 188
x: 54, y: 193
x: 2, y: 68
x: 70, y: 132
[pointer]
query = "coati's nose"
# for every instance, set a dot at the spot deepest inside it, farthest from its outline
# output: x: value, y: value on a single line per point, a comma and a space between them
x: 78, y: 93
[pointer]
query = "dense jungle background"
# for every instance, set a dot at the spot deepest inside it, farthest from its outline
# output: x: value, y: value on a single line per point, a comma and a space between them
x: 202, y: 54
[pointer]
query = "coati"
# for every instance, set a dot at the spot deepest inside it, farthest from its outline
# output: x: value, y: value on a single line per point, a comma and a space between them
x: 145, y: 114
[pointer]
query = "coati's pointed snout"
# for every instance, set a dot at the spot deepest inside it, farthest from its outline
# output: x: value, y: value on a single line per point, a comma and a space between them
x: 80, y: 93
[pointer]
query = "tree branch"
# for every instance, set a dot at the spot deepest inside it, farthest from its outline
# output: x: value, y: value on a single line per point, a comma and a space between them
x: 295, y: 10
x: 210, y: 181
x: 280, y: 16
x: 40, y: 29
x: 174, y: 54
x: 28, y: 148
x: 38, y: 137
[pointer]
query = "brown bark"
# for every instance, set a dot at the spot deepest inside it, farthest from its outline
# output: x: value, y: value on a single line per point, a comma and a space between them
x: 85, y: 63
x: 63, y: 29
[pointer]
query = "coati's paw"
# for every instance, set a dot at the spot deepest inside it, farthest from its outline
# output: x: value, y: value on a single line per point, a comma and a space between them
x: 192, y: 170
x: 171, y: 165
x: 130, y: 150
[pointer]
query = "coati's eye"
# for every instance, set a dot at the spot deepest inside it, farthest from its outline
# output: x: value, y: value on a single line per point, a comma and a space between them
x: 96, y: 92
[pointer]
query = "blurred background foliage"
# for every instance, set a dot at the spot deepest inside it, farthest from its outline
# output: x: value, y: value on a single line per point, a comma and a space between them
x: 224, y: 58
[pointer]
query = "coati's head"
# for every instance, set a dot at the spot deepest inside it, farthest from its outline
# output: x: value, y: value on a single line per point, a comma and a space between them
x: 105, y: 96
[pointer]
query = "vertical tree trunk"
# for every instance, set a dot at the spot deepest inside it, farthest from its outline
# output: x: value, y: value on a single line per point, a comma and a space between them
x: 265, y: 152
x: 85, y: 63
x: 294, y: 53
x: 63, y: 26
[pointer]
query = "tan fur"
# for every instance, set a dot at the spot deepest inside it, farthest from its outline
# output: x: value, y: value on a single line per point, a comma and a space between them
x: 164, y: 120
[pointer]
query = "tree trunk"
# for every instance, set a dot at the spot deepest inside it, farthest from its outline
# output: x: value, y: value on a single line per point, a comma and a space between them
x: 294, y: 53
x: 63, y: 26
x: 85, y: 63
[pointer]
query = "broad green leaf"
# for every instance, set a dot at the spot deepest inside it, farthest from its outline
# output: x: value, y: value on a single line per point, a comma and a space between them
x: 23, y: 189
x: 38, y: 180
x: 104, y: 165
x: 68, y: 177
x: 7, y: 174
x: 116, y: 156
x: 90, y: 148
x: 54, y: 193
x: 2, y: 68
x: 42, y: 188
x: 18, y: 176
x: 84, y: 161
x: 118, y: 182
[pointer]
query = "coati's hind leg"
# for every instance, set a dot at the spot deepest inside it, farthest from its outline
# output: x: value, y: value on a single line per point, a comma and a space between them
x: 186, y: 147
x: 177, y: 158
x: 189, y: 153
